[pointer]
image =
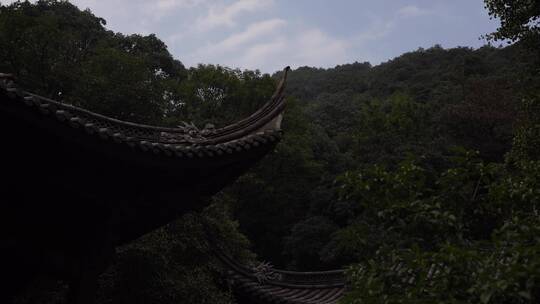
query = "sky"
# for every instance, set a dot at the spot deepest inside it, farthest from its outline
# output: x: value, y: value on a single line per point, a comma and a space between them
x: 270, y: 34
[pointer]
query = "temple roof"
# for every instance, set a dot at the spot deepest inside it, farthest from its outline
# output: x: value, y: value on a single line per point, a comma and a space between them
x: 84, y: 180
x: 265, y: 285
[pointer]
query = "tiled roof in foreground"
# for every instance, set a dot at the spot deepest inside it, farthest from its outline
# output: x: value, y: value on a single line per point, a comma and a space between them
x: 183, y: 142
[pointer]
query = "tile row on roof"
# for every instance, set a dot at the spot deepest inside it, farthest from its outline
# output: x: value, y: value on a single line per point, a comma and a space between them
x: 280, y: 286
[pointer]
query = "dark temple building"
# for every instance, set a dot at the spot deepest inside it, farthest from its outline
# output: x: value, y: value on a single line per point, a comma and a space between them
x: 78, y: 184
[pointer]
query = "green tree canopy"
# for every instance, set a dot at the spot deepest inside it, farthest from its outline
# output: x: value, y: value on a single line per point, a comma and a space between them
x: 520, y: 20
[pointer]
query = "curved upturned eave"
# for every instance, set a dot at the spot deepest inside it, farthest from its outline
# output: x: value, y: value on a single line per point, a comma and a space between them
x: 269, y: 112
x: 253, y: 132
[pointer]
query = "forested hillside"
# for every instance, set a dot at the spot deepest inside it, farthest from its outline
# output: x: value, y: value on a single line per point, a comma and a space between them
x: 422, y: 107
x: 420, y: 175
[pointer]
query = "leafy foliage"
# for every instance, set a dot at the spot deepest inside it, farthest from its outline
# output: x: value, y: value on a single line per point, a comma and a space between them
x: 175, y: 264
x: 520, y: 20
x: 494, y: 260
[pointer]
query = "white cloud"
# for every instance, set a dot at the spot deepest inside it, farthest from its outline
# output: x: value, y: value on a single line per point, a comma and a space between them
x: 264, y: 54
x: 255, y: 31
x: 411, y: 11
x: 377, y: 30
x: 271, y: 45
x: 307, y: 47
x: 314, y: 47
x: 242, y: 49
x: 159, y: 8
x: 219, y: 15
x: 173, y: 4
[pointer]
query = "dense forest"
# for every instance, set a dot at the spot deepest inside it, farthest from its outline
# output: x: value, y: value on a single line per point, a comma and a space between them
x: 419, y: 175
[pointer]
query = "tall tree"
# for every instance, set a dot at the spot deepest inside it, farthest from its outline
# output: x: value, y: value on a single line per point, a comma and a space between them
x: 520, y: 20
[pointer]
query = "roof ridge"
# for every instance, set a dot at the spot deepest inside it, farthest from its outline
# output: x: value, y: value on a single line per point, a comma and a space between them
x: 187, y: 141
